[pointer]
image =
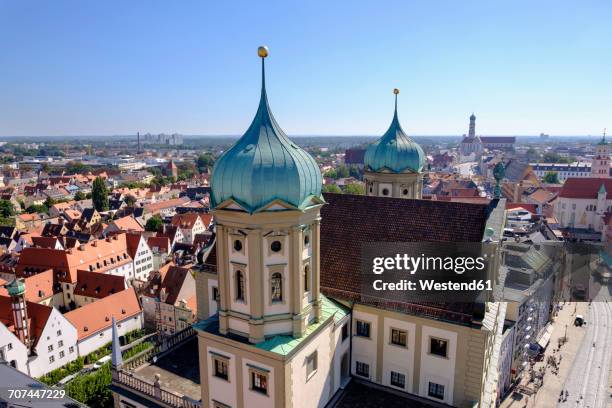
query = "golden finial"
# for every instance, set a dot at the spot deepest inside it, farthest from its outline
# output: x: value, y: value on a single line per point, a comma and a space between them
x: 395, y: 91
x: 262, y: 51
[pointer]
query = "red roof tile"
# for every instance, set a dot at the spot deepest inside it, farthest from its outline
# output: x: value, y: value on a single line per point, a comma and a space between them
x: 584, y: 187
x: 98, y: 285
x: 349, y: 221
x: 97, y: 316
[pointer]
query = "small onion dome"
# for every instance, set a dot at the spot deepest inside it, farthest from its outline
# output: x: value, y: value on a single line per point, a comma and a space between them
x: 16, y: 287
x: 395, y: 151
x: 264, y: 165
x: 603, y: 141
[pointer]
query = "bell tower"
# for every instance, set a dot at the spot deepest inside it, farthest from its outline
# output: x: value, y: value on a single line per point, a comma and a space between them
x: 394, y: 164
x: 16, y: 290
x: 266, y: 199
x: 600, y: 165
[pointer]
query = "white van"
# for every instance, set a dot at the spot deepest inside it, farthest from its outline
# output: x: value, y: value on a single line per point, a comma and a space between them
x: 101, y: 362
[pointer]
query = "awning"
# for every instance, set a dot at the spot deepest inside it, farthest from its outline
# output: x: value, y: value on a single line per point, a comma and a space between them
x: 545, y: 339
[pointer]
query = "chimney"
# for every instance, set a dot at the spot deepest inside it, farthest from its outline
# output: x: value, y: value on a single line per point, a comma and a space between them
x: 94, y: 243
x: 82, y: 247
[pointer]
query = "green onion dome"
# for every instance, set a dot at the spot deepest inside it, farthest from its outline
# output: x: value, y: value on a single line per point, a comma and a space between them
x: 395, y: 151
x: 264, y: 166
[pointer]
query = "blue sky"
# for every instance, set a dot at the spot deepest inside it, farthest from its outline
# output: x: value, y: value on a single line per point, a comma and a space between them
x: 117, y: 67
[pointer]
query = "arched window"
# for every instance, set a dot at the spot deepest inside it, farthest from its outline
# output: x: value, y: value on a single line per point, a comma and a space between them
x: 306, y: 278
x: 239, y: 285
x: 277, y: 287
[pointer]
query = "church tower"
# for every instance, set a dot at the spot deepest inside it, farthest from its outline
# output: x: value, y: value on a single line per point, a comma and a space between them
x: 266, y: 199
x: 394, y: 164
x: 472, y: 130
x: 600, y: 165
x: 16, y: 290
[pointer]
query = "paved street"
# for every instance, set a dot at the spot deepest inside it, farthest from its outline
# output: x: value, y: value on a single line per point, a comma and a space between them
x: 588, y: 382
x: 466, y: 169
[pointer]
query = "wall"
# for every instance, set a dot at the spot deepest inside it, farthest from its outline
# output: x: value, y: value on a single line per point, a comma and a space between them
x: 102, y: 337
x: 40, y: 365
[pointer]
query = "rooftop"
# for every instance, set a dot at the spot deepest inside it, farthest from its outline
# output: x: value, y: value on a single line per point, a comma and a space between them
x: 178, y: 370
x: 284, y: 344
x: 360, y: 394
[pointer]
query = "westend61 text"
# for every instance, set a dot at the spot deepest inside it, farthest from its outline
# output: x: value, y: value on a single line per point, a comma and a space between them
x: 430, y: 285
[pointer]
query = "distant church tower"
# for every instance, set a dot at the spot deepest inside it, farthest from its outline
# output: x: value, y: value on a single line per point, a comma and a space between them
x: 471, y: 144
x: 394, y: 164
x: 266, y: 200
x: 600, y: 165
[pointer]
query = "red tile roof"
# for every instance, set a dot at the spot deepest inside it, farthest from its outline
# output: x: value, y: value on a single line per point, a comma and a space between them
x: 37, y: 315
x: 98, y: 285
x: 44, y: 242
x: 170, y: 278
x: 185, y: 221
x: 584, y: 187
x: 161, y: 205
x: 532, y: 208
x: 349, y: 221
x: 127, y: 223
x: 38, y: 287
x: 97, y: 316
x: 163, y: 243
x: 102, y: 254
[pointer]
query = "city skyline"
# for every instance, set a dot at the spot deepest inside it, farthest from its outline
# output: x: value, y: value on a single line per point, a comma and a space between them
x: 76, y: 70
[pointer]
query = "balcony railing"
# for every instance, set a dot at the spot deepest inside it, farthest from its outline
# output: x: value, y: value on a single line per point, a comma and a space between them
x: 154, y: 391
x: 124, y: 376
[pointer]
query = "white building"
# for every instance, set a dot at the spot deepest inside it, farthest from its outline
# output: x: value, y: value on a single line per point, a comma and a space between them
x: 582, y: 205
x: 141, y: 254
x: 93, y: 322
x: 563, y: 170
x: 34, y: 338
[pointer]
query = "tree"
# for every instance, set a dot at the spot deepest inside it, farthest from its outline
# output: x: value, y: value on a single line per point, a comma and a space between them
x: 6, y: 209
x: 99, y: 195
x: 552, y: 157
x: 154, y: 223
x: 354, y: 172
x: 204, y: 161
x: 551, y: 177
x: 49, y: 202
x: 37, y: 209
x: 331, y: 174
x: 356, y: 189
x: 531, y: 153
x: 130, y: 200
x: 331, y: 188
x: 76, y: 167
x: 80, y: 196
